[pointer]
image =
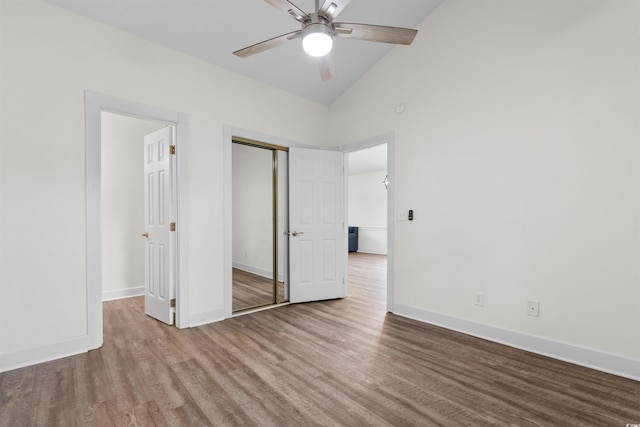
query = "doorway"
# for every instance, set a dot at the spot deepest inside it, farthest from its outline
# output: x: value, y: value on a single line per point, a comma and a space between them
x: 260, y: 220
x: 95, y: 104
x: 138, y: 208
x: 370, y: 203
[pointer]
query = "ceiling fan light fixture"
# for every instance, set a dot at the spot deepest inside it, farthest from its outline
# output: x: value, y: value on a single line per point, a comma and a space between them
x: 317, y: 37
x: 317, y: 44
x: 317, y: 31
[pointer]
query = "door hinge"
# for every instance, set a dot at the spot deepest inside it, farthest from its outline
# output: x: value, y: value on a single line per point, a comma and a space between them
x: 172, y: 226
x: 172, y: 149
x: 172, y: 302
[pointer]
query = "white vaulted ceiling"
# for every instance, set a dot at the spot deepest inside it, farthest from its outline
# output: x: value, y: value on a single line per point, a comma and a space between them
x: 212, y: 29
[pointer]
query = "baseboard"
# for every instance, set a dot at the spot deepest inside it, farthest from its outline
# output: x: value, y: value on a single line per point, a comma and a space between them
x: 371, y: 251
x: 206, y: 317
x: 71, y: 347
x: 594, y: 359
x: 253, y: 270
x: 47, y: 353
x: 122, y: 293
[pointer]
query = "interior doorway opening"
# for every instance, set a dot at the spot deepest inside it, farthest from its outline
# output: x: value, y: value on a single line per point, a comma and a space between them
x: 95, y: 104
x: 260, y: 224
x: 367, y: 207
x: 370, y: 206
x: 137, y: 210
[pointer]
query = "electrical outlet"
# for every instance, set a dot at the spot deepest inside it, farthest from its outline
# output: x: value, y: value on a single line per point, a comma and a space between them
x: 478, y: 298
x: 402, y: 215
x: 533, y: 308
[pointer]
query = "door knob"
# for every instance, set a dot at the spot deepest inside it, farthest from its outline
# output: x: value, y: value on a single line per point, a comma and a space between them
x: 145, y: 234
x: 295, y: 233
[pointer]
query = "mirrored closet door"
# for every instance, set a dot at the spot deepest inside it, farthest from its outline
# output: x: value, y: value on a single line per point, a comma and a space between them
x: 259, y: 176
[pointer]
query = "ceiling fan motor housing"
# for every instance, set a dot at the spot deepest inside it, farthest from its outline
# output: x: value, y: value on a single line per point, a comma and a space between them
x: 317, y: 24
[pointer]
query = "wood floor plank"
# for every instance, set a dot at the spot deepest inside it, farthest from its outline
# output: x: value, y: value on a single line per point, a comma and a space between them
x: 147, y: 414
x: 332, y: 363
x: 19, y: 397
x: 217, y: 402
x: 252, y: 290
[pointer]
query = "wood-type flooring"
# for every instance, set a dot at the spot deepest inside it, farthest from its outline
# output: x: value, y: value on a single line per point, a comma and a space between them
x: 333, y: 363
x: 250, y: 290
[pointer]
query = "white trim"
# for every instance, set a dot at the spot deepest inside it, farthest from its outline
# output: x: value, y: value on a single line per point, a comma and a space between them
x: 182, y: 218
x: 122, y: 293
x: 594, y: 359
x: 206, y: 318
x: 227, y: 207
x: 389, y: 139
x: 95, y: 103
x: 93, y: 228
x: 46, y: 353
x: 267, y: 274
x: 371, y: 251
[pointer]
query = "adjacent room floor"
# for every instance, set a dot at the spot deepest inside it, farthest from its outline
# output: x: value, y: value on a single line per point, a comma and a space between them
x: 342, y: 362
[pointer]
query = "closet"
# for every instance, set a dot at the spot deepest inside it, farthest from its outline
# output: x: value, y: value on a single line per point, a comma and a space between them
x: 259, y: 194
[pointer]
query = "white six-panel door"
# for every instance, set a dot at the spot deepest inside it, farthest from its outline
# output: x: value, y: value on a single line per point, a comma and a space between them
x: 316, y: 224
x: 159, y: 248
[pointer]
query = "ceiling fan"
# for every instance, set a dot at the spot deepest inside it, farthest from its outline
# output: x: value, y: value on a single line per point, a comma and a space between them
x: 318, y: 29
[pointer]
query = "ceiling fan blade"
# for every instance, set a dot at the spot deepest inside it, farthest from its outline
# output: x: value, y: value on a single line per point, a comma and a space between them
x: 289, y: 8
x: 327, y: 67
x: 331, y: 8
x: 267, y: 44
x: 375, y: 33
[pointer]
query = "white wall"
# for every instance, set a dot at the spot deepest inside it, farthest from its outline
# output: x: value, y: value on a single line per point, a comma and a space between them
x: 123, y: 203
x: 518, y: 152
x: 49, y: 58
x: 368, y: 210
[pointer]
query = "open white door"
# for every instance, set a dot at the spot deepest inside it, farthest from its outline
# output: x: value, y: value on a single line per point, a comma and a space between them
x: 316, y: 242
x: 160, y: 244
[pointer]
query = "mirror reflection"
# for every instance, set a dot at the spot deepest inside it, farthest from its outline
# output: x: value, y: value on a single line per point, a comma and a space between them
x: 259, y: 239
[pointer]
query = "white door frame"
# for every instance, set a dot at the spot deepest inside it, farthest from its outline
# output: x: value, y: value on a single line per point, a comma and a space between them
x: 389, y: 139
x: 95, y: 103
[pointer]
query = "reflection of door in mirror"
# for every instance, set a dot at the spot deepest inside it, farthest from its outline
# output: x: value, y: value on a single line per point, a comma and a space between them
x: 259, y: 224
x: 282, y: 294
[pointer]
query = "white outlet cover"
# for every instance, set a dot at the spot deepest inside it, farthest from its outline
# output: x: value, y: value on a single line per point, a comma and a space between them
x: 478, y: 299
x: 533, y: 308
